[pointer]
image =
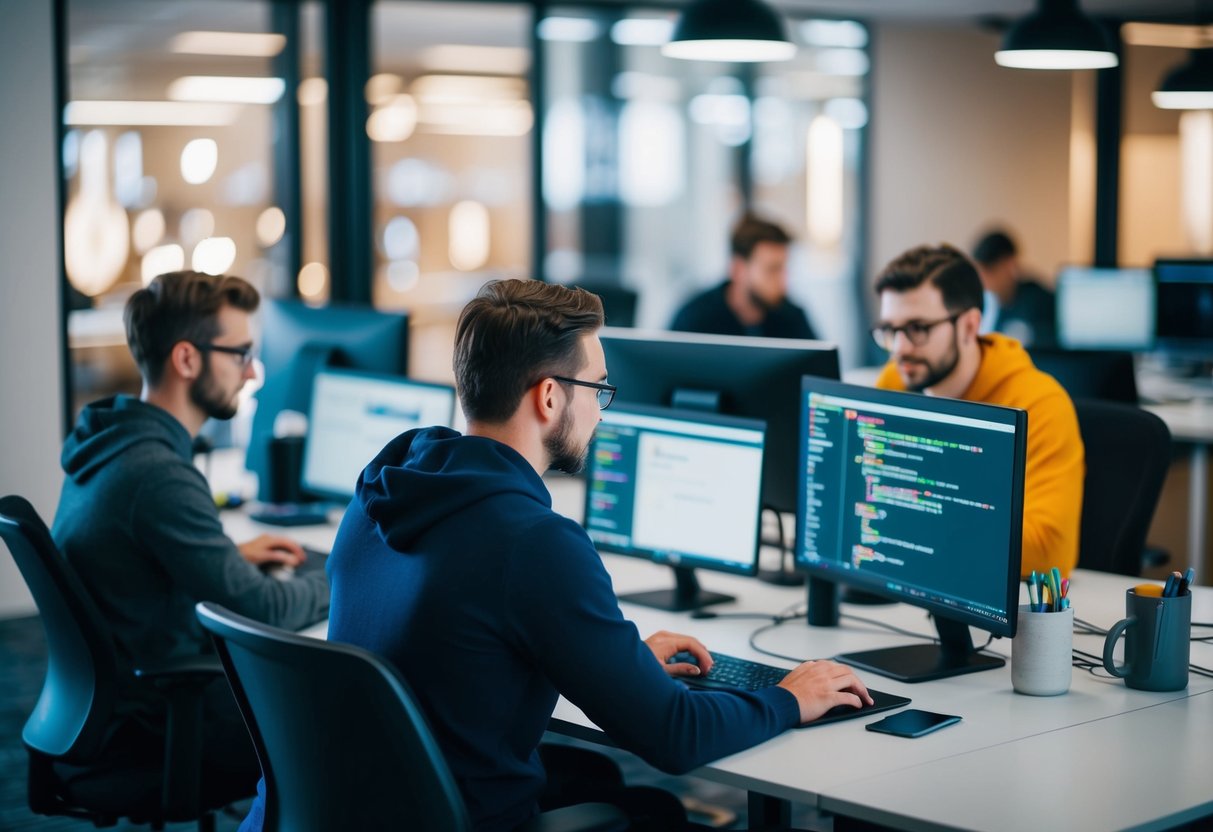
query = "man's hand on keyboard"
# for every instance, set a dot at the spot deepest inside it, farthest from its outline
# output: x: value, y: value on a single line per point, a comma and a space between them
x: 819, y: 686
x: 272, y: 549
x: 665, y: 645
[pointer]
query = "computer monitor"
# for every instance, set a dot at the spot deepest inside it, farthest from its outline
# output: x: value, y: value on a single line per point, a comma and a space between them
x: 1185, y: 307
x: 757, y: 378
x: 919, y: 498
x: 676, y: 487
x: 353, y: 415
x: 297, y: 341
x: 1105, y: 309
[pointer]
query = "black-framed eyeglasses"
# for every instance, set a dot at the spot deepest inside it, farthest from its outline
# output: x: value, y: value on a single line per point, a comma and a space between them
x: 916, y: 332
x: 243, y: 353
x: 606, y: 392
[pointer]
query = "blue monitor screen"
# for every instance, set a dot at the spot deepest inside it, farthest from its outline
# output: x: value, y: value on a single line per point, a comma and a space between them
x: 353, y: 415
x: 1105, y: 309
x: 676, y: 487
x: 915, y: 497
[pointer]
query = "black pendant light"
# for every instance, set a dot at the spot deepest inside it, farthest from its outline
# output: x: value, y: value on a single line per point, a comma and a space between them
x: 739, y: 31
x: 1057, y: 36
x: 1189, y: 86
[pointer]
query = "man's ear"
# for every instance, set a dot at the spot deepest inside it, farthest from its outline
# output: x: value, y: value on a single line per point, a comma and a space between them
x: 969, y: 323
x: 546, y: 400
x: 185, y: 360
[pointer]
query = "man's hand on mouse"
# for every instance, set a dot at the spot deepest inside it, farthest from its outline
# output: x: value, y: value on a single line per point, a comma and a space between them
x: 819, y: 686
x: 272, y: 548
x: 665, y: 645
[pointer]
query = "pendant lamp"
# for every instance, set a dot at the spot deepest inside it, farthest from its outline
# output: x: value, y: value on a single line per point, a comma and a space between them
x: 739, y: 31
x: 1057, y: 36
x: 1189, y: 86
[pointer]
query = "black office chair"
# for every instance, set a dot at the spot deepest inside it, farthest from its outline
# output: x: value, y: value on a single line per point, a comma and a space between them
x: 1128, y: 451
x: 75, y: 767
x: 341, y: 742
x: 1090, y: 374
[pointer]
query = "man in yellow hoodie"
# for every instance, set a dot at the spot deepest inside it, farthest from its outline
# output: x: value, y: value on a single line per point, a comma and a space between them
x: 930, y: 313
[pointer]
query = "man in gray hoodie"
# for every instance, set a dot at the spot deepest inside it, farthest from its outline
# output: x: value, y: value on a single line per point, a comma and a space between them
x: 137, y: 521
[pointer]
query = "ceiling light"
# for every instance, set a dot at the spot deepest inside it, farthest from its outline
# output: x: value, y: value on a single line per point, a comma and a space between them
x: 238, y: 44
x: 738, y: 31
x: 233, y: 89
x: 1057, y: 36
x: 148, y: 114
x: 1188, y: 86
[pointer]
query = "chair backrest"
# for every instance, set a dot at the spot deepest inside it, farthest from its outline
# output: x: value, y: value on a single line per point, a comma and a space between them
x: 1128, y: 451
x: 1090, y: 374
x: 341, y: 741
x: 73, y: 713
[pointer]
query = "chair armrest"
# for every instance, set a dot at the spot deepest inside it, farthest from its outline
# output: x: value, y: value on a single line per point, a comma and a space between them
x: 582, y: 817
x: 199, y: 670
x: 182, y: 681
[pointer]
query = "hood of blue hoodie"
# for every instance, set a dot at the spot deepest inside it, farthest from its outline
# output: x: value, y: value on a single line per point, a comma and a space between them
x: 112, y: 426
x: 424, y: 476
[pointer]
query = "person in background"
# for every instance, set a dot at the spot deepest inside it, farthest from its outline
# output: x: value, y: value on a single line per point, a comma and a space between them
x: 1018, y: 306
x: 754, y: 298
x: 137, y: 521
x: 930, y: 314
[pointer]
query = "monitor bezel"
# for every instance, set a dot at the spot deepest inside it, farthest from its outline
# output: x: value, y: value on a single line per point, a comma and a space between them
x: 390, y: 378
x: 956, y: 407
x: 815, y: 356
x: 702, y: 417
x: 1181, y: 347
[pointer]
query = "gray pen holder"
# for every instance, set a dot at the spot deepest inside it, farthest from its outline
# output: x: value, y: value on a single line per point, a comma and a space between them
x: 1042, y: 652
x: 1157, y: 632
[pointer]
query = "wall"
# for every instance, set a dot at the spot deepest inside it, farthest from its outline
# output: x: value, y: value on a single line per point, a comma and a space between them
x: 959, y: 143
x: 31, y: 403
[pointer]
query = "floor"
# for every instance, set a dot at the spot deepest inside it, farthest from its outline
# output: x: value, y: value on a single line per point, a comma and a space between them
x: 23, y: 664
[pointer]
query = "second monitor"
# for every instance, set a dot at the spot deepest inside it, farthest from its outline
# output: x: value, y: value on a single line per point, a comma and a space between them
x: 677, y: 488
x: 921, y: 499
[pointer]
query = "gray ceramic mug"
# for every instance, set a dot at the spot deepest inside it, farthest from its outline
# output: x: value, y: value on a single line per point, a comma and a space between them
x: 1157, y: 632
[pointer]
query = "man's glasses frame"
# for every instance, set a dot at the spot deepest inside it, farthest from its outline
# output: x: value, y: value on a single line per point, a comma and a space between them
x: 916, y: 332
x: 244, y: 353
x: 606, y: 392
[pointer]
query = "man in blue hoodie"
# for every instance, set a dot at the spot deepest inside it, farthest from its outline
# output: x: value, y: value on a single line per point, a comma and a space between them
x: 137, y: 521
x: 451, y: 563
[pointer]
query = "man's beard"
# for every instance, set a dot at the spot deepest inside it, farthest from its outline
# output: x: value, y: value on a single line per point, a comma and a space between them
x: 564, y: 455
x: 762, y: 303
x: 937, y: 372
x: 205, y: 393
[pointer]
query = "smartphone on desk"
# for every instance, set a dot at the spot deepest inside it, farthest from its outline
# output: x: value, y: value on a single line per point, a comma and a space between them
x: 912, y: 723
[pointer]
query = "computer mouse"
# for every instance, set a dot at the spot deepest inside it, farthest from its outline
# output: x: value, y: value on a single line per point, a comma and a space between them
x: 681, y: 657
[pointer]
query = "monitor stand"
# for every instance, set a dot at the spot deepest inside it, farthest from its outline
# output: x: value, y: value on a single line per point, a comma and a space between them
x: 952, y: 656
x: 786, y: 574
x: 686, y: 594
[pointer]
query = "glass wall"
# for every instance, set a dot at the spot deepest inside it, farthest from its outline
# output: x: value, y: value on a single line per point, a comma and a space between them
x: 648, y: 161
x: 169, y: 161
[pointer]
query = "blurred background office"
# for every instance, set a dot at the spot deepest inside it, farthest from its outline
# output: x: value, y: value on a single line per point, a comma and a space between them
x: 398, y: 154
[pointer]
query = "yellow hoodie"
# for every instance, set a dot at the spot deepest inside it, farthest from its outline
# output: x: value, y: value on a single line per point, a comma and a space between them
x: 1052, y: 499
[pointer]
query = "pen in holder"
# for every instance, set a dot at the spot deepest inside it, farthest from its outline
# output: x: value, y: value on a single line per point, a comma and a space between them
x: 1157, y: 631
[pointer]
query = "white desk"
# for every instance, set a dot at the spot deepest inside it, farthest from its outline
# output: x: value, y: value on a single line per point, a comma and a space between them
x: 969, y: 775
x: 1193, y: 422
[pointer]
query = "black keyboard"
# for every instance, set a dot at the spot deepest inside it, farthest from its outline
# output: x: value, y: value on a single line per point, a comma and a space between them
x: 732, y: 673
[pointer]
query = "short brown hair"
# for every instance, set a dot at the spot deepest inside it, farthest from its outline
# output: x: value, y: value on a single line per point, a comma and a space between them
x: 513, y: 334
x: 180, y: 306
x: 751, y: 230
x: 946, y: 267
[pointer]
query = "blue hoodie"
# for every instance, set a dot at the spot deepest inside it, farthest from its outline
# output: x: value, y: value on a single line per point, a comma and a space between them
x: 451, y: 563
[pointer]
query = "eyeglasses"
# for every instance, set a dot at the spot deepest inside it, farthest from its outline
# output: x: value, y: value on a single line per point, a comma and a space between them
x: 244, y: 354
x: 916, y: 332
x: 606, y: 392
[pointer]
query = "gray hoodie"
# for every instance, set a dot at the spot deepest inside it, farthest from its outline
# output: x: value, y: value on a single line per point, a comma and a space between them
x: 137, y: 521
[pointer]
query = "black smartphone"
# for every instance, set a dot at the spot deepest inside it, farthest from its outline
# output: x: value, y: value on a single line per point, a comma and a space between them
x: 912, y: 723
